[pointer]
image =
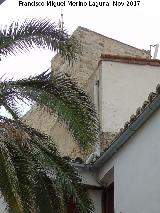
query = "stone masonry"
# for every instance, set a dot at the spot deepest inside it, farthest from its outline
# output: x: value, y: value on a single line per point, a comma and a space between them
x: 83, y: 70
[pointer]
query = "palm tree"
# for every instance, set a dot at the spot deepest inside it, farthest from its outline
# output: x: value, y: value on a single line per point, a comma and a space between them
x: 1, y: 1
x: 32, y: 172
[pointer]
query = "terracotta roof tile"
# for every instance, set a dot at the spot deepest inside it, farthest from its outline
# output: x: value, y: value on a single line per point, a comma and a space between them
x: 77, y: 160
x: 152, y: 96
x: 130, y: 59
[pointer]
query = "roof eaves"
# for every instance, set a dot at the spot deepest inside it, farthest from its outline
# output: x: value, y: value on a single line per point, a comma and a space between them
x: 77, y: 162
x: 129, y: 59
x: 81, y: 165
x: 130, y: 128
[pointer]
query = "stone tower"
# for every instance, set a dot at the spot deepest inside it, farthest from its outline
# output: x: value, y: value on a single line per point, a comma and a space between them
x: 93, y: 45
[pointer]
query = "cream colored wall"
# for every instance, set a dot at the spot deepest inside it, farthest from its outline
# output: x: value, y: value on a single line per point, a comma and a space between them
x: 137, y: 170
x: 93, y: 45
x: 124, y: 87
x: 96, y: 196
x: 83, y: 70
x: 2, y: 205
x: 88, y: 176
x: 43, y: 121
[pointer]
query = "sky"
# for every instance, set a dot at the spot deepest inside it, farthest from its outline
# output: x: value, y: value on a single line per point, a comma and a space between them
x: 136, y: 25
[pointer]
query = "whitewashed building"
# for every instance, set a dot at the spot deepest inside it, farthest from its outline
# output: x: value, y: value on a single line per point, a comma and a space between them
x: 83, y: 71
x: 125, y: 178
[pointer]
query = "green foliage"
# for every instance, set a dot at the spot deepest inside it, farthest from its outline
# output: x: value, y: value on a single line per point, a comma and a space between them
x: 32, y: 170
x: 34, y: 178
x: 61, y: 95
x: 41, y: 33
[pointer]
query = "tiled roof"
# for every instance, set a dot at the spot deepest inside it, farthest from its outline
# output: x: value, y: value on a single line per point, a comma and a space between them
x: 130, y: 59
x: 77, y: 160
x: 153, y: 96
x: 133, y: 118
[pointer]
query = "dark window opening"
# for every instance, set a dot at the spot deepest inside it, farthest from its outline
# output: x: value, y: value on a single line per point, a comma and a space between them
x: 108, y: 199
x: 71, y: 207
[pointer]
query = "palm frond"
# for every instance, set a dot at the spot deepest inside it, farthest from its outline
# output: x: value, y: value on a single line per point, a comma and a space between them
x: 18, y: 169
x: 1, y: 1
x: 61, y: 95
x: 61, y: 172
x: 39, y: 171
x: 32, y: 170
x: 41, y: 33
x: 9, y: 183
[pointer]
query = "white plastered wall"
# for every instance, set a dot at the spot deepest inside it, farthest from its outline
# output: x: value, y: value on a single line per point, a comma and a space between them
x: 90, y: 178
x: 95, y: 195
x: 137, y: 171
x: 123, y: 88
x: 93, y: 45
x: 2, y: 205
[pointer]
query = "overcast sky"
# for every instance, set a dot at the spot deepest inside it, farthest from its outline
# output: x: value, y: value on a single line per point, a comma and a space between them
x: 138, y: 26
x: 135, y: 25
